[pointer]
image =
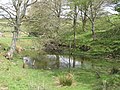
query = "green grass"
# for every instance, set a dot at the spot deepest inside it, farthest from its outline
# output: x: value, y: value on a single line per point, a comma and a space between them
x: 17, y: 78
x: 108, y: 37
x: 14, y: 77
x: 107, y: 41
x: 5, y: 40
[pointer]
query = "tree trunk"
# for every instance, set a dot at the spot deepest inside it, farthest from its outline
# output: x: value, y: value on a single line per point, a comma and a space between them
x: 9, y: 54
x: 92, y: 21
x: 74, y: 25
x: 83, y: 25
x: 83, y: 16
x: 93, y: 30
x: 58, y: 9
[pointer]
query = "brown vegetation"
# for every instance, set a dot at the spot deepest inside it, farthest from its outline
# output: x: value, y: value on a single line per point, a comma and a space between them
x: 19, y: 49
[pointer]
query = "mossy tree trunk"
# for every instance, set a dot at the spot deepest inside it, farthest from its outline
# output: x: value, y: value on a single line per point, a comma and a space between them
x: 15, y: 15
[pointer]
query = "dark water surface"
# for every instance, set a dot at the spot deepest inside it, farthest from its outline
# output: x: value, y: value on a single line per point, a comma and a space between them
x: 59, y: 61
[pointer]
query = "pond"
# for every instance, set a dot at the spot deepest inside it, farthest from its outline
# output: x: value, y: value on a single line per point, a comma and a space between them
x: 61, y: 61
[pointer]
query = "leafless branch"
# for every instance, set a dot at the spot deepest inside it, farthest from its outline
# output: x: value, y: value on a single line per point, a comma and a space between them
x: 25, y: 8
x: 31, y: 2
x: 14, y: 4
x: 6, y: 17
x: 9, y: 13
x: 19, y: 3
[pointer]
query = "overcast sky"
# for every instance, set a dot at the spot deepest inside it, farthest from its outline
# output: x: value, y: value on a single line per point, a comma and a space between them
x: 4, y: 1
x: 107, y: 8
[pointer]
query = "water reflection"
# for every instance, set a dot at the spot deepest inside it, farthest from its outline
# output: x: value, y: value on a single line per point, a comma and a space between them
x: 59, y: 61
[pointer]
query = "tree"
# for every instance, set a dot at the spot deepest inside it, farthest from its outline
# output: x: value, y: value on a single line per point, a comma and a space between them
x: 46, y: 17
x: 74, y: 13
x: 83, y: 8
x: 15, y: 13
x: 94, y: 8
x: 89, y: 10
x: 44, y: 20
x: 57, y: 10
x: 75, y: 23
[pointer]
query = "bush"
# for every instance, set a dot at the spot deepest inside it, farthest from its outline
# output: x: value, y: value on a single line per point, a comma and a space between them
x: 65, y: 80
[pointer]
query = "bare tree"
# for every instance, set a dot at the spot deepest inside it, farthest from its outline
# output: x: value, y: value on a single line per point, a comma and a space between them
x: 94, y: 8
x: 90, y: 10
x: 83, y: 16
x: 52, y: 10
x: 15, y: 13
x: 56, y: 8
x: 83, y: 8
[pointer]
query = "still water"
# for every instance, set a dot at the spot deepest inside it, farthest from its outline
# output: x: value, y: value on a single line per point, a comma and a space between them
x: 59, y: 61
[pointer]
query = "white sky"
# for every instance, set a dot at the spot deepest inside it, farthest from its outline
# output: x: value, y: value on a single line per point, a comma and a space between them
x: 110, y: 9
x: 4, y: 1
x: 106, y: 8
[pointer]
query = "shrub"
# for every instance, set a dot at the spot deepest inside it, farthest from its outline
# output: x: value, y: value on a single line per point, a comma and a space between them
x: 65, y: 80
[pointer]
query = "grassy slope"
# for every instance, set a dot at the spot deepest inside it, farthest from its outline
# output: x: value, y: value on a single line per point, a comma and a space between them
x: 108, y: 38
x: 17, y: 78
x: 14, y: 77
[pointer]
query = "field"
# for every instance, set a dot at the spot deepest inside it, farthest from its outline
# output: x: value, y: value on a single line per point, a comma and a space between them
x: 14, y: 77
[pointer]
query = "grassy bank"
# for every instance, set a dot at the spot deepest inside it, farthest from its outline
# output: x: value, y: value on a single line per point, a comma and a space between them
x: 14, y: 77
x: 103, y: 73
x: 107, y: 39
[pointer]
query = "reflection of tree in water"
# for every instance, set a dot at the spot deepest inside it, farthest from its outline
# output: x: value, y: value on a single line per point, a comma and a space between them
x: 73, y: 61
x: 82, y: 61
x: 41, y: 62
x: 69, y: 62
x: 58, y: 62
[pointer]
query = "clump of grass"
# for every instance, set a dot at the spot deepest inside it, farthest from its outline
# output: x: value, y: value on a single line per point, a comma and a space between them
x: 65, y: 80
